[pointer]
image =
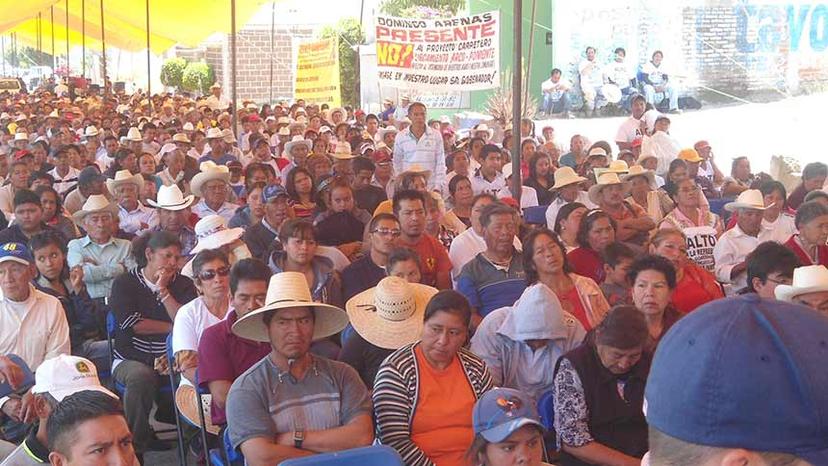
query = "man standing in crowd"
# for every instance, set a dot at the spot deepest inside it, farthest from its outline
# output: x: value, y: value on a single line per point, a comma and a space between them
x: 420, y: 147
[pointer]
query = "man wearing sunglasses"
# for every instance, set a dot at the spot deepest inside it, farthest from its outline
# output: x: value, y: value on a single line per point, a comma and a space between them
x: 366, y: 272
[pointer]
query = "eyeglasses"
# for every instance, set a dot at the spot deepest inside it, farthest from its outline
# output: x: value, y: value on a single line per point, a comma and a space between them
x: 206, y: 275
x: 387, y: 232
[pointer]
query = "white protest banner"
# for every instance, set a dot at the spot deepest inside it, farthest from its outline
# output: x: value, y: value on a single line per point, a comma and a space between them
x: 456, y: 54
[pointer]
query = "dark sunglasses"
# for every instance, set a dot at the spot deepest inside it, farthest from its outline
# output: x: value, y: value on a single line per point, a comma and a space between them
x: 211, y: 274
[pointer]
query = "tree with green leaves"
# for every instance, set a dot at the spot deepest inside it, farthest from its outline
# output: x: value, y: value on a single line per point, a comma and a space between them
x: 350, y: 35
x: 422, y: 8
x: 197, y: 77
x: 172, y: 71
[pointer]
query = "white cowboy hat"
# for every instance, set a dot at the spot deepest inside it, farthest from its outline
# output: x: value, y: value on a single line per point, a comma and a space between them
x: 171, y: 198
x: 283, y: 120
x: 209, y: 171
x: 21, y: 137
x: 124, y: 177
x: 638, y: 170
x: 95, y: 203
x: 340, y: 110
x: 287, y: 290
x: 214, y: 133
x: 21, y: 117
x: 188, y: 127
x: 383, y: 131
x: 228, y: 136
x: 566, y: 176
x: 600, y: 151
x: 297, y: 140
x: 164, y: 150
x: 748, y: 199
x: 342, y: 151
x: 807, y: 279
x: 481, y: 128
x: 181, y: 137
x: 606, y: 179
x: 284, y: 131
x: 134, y: 134
x: 391, y: 314
x: 186, y: 400
x: 212, y: 233
x: 91, y: 132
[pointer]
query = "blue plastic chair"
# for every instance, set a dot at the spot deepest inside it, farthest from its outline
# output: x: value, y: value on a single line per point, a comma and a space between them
x: 182, y: 454
x: 375, y: 455
x: 28, y: 377
x: 227, y: 455
x: 546, y: 410
x: 535, y: 215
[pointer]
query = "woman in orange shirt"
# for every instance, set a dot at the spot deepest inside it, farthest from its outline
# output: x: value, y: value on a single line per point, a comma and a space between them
x: 424, y: 393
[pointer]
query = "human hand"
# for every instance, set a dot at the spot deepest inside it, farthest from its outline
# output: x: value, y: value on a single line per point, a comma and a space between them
x: 27, y: 413
x: 89, y: 260
x: 12, y: 409
x: 164, y: 277
x: 162, y: 365
x: 285, y: 439
x: 10, y: 372
x: 76, y: 279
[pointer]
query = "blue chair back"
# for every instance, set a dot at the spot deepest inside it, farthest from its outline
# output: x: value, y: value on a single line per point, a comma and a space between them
x: 233, y: 456
x: 375, y: 455
x: 546, y: 410
x: 28, y: 377
x: 111, y: 325
x: 535, y: 215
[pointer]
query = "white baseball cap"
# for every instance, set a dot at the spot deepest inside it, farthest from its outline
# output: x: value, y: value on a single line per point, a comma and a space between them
x: 66, y: 375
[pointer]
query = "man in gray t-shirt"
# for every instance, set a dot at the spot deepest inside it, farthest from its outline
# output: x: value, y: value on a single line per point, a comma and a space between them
x: 292, y: 403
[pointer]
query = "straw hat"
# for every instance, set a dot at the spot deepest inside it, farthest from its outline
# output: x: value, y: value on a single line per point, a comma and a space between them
x: 390, y: 315
x: 284, y: 131
x: 91, y: 132
x: 209, y: 171
x: 638, y: 170
x: 483, y: 127
x: 228, y: 136
x: 214, y: 133
x: 124, y: 177
x: 186, y: 399
x: 171, y: 198
x: 212, y: 233
x: 181, y: 137
x: 566, y: 176
x: 606, y: 179
x: 748, y: 199
x: 808, y: 279
x: 383, y: 131
x: 188, y: 127
x: 95, y: 203
x: 418, y: 170
x: 21, y: 137
x: 283, y: 120
x: 297, y: 140
x: 340, y: 110
x: 288, y: 290
x: 616, y: 166
x: 690, y: 155
x: 134, y: 134
x: 597, y: 151
x: 342, y: 151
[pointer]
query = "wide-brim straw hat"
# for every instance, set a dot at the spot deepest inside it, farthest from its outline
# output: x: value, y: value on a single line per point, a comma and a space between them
x: 214, y: 133
x: 124, y: 177
x: 390, y: 315
x: 808, y: 279
x: 171, y: 198
x: 342, y: 151
x: 748, y: 199
x: 187, y: 401
x: 566, y: 176
x: 290, y: 290
x: 212, y: 233
x: 209, y: 171
x: 606, y: 179
x: 298, y: 140
x: 483, y: 127
x: 638, y: 170
x: 181, y: 137
x: 388, y: 129
x: 95, y: 203
x: 134, y: 134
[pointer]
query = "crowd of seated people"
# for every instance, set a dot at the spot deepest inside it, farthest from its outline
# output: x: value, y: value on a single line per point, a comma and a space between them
x: 330, y: 281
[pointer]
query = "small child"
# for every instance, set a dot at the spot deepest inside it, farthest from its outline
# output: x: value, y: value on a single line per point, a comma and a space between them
x: 404, y: 263
x: 618, y: 258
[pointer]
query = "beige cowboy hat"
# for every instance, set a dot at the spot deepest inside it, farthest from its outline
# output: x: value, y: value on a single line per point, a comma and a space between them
x: 188, y: 127
x: 21, y: 136
x: 124, y: 177
x: 186, y: 400
x: 566, y: 176
x: 212, y: 233
x: 383, y: 131
x: 134, y: 134
x: 209, y: 171
x: 91, y: 132
x: 342, y: 151
x: 483, y: 128
x: 606, y: 179
x: 638, y: 170
x: 214, y: 133
x: 228, y: 136
x: 297, y: 140
x: 616, y: 166
x: 171, y: 198
x: 418, y: 170
x: 390, y: 315
x: 95, y: 203
x: 284, y: 131
x: 181, y: 137
x: 287, y: 290
x: 807, y: 279
x: 748, y: 199
x: 339, y: 110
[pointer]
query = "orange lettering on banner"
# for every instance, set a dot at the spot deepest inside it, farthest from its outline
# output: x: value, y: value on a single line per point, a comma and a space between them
x: 393, y: 54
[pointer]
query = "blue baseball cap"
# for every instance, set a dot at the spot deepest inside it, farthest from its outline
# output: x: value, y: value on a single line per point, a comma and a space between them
x: 744, y: 372
x: 502, y: 411
x: 273, y: 191
x: 16, y: 252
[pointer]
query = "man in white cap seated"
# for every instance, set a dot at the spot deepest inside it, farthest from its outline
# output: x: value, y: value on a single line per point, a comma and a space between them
x: 212, y: 185
x: 568, y: 186
x: 55, y: 379
x: 735, y: 244
x: 135, y: 218
x: 216, y: 101
x: 809, y: 288
x: 293, y: 403
x: 173, y: 210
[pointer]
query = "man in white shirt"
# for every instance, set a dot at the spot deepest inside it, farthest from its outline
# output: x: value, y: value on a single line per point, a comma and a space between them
x: 568, y: 186
x: 735, y: 244
x: 487, y: 178
x: 212, y: 185
x: 555, y: 97
x: 656, y: 85
x: 420, y: 147
x: 217, y: 101
x: 402, y: 109
x: 632, y: 128
x: 591, y: 80
x: 65, y: 175
x: 135, y: 218
x: 617, y: 72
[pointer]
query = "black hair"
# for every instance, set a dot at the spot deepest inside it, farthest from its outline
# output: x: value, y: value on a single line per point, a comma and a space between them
x: 46, y: 238
x: 415, y: 104
x: 657, y: 52
x: 653, y: 262
x: 495, y: 208
x: 25, y: 196
x: 564, y: 213
x: 555, y: 70
x: 814, y: 170
x: 455, y: 180
x: 363, y: 163
x: 449, y: 301
x: 616, y: 252
x: 407, y: 195
x: 533, y: 167
x: 816, y: 194
x: 402, y: 255
x: 587, y: 221
x: 736, y: 162
x: 74, y: 410
x: 489, y: 149
x: 296, y: 228
x: 248, y: 269
x: 529, y: 253
x: 290, y: 183
x: 623, y: 327
x: 768, y: 258
x: 153, y: 241
x: 620, y: 49
x: 768, y: 187
x: 208, y: 255
x: 123, y: 153
x: 372, y: 225
x: 480, y: 196
x: 371, y: 116
x: 809, y: 211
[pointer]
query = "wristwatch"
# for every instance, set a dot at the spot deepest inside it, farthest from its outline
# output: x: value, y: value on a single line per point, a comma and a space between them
x: 298, y: 437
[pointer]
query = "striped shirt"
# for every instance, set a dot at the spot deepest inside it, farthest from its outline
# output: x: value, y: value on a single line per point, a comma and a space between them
x: 426, y: 153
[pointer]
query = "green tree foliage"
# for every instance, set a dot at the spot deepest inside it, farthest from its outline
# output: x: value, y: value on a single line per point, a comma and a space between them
x: 349, y: 32
x: 197, y: 77
x: 172, y: 71
x: 422, y: 8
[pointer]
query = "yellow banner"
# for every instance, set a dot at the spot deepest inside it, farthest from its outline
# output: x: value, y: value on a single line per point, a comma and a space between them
x: 317, y: 73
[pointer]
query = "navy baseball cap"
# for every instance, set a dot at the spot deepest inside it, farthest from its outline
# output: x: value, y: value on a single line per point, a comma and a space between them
x: 744, y: 372
x: 502, y: 411
x: 273, y: 191
x: 16, y: 252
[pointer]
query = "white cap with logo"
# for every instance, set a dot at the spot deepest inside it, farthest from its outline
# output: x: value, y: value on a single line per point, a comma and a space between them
x: 66, y: 375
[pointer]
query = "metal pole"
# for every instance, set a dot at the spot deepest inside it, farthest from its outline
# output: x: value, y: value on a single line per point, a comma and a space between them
x: 529, y: 54
x: 149, y: 70
x: 52, y: 23
x: 67, y: 41
x: 272, y: 39
x: 3, y: 53
x: 15, y: 59
x: 517, y: 180
x: 103, y: 42
x: 233, y: 60
x: 83, y: 38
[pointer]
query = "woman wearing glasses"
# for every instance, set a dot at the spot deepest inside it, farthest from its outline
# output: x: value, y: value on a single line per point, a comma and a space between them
x: 699, y: 225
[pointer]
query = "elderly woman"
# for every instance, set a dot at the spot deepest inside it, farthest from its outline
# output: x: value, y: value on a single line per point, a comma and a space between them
x: 541, y: 177
x: 544, y: 261
x: 809, y: 244
x: 694, y: 284
x: 596, y: 231
x: 462, y: 195
x: 507, y: 430
x: 643, y: 191
x: 695, y: 221
x: 425, y: 392
x: 653, y: 281
x: 599, y: 394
